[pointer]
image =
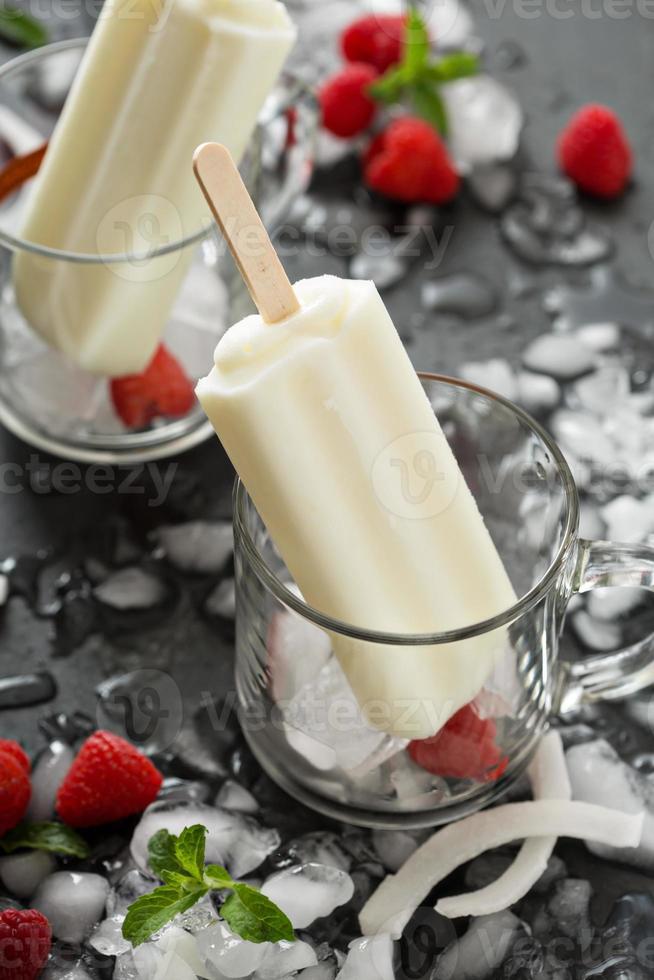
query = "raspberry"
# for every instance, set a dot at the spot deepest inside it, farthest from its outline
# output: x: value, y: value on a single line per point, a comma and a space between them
x: 377, y: 40
x: 594, y: 152
x: 25, y: 941
x: 161, y: 390
x: 347, y: 109
x: 464, y: 749
x: 15, y: 786
x: 109, y: 780
x: 13, y: 749
x: 409, y: 162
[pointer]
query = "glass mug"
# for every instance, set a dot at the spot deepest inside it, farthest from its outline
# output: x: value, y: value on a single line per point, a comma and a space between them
x: 296, y: 709
x: 46, y: 399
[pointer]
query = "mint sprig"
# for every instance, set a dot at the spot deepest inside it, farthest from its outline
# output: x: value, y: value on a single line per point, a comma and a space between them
x: 17, y: 27
x: 418, y: 77
x: 56, y: 838
x: 179, y: 862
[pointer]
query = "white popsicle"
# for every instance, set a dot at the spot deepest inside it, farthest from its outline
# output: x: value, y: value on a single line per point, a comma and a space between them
x: 156, y: 78
x: 325, y: 420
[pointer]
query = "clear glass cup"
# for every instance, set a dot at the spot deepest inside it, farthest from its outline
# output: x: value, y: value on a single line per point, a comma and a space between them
x: 297, y: 711
x: 46, y: 399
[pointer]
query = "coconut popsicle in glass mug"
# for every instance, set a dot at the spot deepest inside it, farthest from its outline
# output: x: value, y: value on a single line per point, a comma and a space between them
x: 318, y: 406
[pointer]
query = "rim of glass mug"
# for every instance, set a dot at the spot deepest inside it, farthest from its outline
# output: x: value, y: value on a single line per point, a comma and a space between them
x: 514, y: 612
x: 14, y: 243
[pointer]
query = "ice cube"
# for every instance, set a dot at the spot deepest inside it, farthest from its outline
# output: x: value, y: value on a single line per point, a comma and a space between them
x: 233, y: 796
x: 596, y: 634
x: 463, y: 294
x: 582, y: 435
x: 496, y: 374
x: 485, y: 120
x: 599, y: 775
x: 183, y: 944
x: 145, y: 706
x: 72, y: 902
x: 175, y: 790
x: 537, y: 392
x: 169, y: 966
x: 559, y: 355
x: 227, y: 953
x: 601, y: 391
x: 629, y: 520
x: 320, y: 847
x: 610, y: 604
x: 282, y: 959
x: 23, y: 873
x: 324, y: 971
x: 370, y: 958
x: 131, y: 589
x: 236, y: 841
x: 48, y: 774
x: 65, y: 971
x: 308, y: 892
x: 384, y: 270
x: 481, y: 950
x: 410, y: 782
x: 297, y: 650
x: 147, y: 960
x: 599, y: 336
x: 493, y: 185
x: 324, y: 722
x: 591, y: 524
x: 394, y: 847
x: 131, y: 886
x: 198, y: 546
x: 569, y: 906
x: 107, y: 937
x: 221, y: 602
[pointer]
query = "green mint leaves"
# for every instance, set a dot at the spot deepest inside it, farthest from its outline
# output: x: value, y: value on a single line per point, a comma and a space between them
x: 179, y: 862
x: 17, y: 27
x: 418, y: 78
x: 54, y: 837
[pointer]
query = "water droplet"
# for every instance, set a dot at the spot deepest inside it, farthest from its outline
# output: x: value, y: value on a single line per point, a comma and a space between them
x: 510, y: 55
x: 24, y: 690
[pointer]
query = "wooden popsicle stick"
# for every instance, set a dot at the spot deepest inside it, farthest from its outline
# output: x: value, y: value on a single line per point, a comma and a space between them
x: 248, y: 240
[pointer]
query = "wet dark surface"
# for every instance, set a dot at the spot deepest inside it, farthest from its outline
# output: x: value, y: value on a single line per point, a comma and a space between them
x: 58, y: 545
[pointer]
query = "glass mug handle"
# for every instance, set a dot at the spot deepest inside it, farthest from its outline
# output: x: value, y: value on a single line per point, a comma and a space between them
x: 611, y: 676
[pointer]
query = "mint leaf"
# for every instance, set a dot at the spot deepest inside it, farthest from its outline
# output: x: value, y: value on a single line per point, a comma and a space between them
x: 429, y: 104
x: 150, y: 912
x: 391, y: 85
x: 161, y: 854
x: 54, y: 837
x: 19, y: 28
x: 254, y: 917
x: 461, y: 64
x: 189, y: 850
x: 416, y: 43
x: 217, y: 878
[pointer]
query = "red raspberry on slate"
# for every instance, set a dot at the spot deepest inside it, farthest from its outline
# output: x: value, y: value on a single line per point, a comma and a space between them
x: 109, y: 780
x: 25, y: 941
x: 409, y: 163
x: 347, y: 108
x: 161, y: 390
x: 13, y: 749
x: 464, y: 749
x: 377, y: 40
x: 15, y: 786
x: 594, y: 152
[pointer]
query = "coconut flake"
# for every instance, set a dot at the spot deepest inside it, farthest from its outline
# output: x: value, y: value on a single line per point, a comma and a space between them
x: 391, y: 906
x: 549, y: 778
